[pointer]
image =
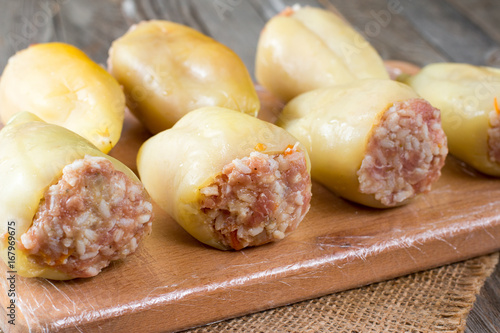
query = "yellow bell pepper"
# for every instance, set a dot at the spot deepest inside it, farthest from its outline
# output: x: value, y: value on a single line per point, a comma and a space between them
x: 336, y: 125
x: 168, y: 69
x: 176, y: 164
x: 32, y: 156
x: 468, y: 98
x: 63, y: 86
x: 307, y: 48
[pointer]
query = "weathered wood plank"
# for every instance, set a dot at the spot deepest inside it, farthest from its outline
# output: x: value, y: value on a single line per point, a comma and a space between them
x: 486, y: 15
x: 183, y: 13
x: 23, y: 23
x: 485, y: 315
x: 449, y: 31
x: 221, y: 19
x: 132, y: 11
x: 268, y: 9
x: 234, y: 23
x: 384, y: 26
x: 92, y: 26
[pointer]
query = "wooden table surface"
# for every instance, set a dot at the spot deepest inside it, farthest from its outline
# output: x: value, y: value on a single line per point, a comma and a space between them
x: 420, y: 32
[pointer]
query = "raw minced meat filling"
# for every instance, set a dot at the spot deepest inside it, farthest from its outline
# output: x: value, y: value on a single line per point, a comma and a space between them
x: 94, y: 214
x: 259, y: 198
x: 494, y: 134
x: 405, y: 153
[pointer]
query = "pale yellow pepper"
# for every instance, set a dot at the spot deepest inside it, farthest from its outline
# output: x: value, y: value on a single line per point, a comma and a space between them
x: 335, y: 124
x: 175, y: 164
x: 466, y: 96
x: 303, y: 49
x: 32, y: 156
x: 63, y: 86
x: 168, y: 69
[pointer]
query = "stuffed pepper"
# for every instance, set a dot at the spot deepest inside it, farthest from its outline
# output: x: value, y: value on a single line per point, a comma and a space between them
x: 374, y: 142
x: 229, y: 179
x: 469, y: 98
x: 67, y: 209
x: 307, y: 48
x: 63, y: 86
x: 168, y: 69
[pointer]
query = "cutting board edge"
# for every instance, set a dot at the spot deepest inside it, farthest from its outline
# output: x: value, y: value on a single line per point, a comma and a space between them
x: 481, y: 244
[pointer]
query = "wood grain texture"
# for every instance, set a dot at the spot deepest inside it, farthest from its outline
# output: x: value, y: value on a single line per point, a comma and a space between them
x: 483, y: 13
x: 486, y: 15
x: 388, y: 30
x: 175, y: 282
x: 485, y: 315
x: 460, y: 39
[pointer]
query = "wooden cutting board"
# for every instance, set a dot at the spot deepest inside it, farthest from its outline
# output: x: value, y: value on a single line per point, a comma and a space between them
x: 174, y: 282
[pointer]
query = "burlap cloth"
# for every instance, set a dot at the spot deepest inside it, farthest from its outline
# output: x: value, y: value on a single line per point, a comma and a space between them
x: 437, y: 300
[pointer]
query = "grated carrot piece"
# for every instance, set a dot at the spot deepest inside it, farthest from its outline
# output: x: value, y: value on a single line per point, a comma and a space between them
x: 260, y: 147
x: 495, y: 103
x: 288, y: 11
x: 48, y: 259
x: 288, y: 150
x: 63, y: 257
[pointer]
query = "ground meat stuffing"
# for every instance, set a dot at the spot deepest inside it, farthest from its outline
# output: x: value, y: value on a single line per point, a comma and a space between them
x: 405, y: 153
x: 259, y: 198
x: 494, y: 134
x: 94, y: 214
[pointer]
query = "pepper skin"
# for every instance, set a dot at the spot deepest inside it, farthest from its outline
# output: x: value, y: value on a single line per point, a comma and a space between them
x: 63, y: 86
x: 168, y: 69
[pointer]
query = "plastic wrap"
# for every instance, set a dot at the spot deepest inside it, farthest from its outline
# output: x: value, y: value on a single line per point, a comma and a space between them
x: 174, y: 282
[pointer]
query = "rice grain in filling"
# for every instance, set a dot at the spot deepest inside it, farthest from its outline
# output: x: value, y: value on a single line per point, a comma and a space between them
x: 405, y: 153
x: 93, y: 215
x: 258, y: 199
